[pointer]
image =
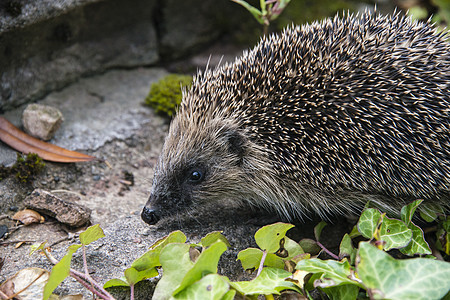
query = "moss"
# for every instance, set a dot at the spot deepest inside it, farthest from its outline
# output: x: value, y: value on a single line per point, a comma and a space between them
x: 24, y: 169
x: 165, y: 95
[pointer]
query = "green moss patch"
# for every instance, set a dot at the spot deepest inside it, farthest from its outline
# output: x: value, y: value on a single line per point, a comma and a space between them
x: 165, y: 95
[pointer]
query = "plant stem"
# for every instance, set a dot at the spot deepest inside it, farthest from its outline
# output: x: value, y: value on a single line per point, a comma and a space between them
x: 84, y: 278
x: 265, y: 30
x: 334, y: 256
x: 261, y: 263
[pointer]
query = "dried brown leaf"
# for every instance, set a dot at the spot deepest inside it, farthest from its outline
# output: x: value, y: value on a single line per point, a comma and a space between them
x: 27, y: 284
x: 28, y: 216
x: 25, y: 143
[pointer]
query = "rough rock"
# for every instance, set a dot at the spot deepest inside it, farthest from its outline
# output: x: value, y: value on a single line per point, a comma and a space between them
x: 41, y: 121
x: 46, y: 45
x: 71, y: 214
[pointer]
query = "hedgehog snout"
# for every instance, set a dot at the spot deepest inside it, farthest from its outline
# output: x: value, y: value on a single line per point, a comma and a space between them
x: 150, y: 216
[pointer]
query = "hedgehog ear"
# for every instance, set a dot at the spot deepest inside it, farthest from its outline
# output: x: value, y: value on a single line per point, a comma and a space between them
x: 236, y: 144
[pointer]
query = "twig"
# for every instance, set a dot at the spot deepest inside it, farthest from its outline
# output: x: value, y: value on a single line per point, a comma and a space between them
x: 3, y: 295
x: 4, y: 217
x: 13, y: 242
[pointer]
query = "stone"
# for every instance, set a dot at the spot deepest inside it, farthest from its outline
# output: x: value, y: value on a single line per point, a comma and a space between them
x: 71, y: 214
x: 42, y: 121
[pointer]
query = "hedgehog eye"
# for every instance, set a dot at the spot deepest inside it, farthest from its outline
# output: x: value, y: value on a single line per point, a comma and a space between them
x: 196, y: 176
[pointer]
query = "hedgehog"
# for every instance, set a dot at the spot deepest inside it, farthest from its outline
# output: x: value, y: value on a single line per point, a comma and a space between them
x: 321, y: 119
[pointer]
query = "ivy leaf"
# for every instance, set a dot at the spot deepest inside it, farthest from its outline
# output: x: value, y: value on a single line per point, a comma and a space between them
x: 268, y: 237
x: 429, y: 211
x: 116, y: 282
x: 270, y: 281
x: 417, y: 245
x: 132, y: 276
x: 212, y: 237
x: 395, y: 233
x: 346, y: 249
x: 212, y: 286
x: 293, y: 248
x: 368, y: 222
x: 251, y: 257
x: 342, y: 292
x: 334, y: 272
x: 175, y: 262
x: 408, y: 211
x: 309, y: 246
x: 150, y: 259
x: 318, y: 229
x: 206, y: 263
x: 388, y: 278
x: 59, y: 272
x: 91, y: 234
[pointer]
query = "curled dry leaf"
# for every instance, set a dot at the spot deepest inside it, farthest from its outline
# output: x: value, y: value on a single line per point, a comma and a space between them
x: 25, y: 143
x: 28, y: 216
x: 27, y: 284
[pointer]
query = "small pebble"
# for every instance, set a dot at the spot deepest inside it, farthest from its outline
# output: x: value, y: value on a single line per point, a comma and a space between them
x: 13, y: 208
x: 3, y: 230
x: 41, y: 121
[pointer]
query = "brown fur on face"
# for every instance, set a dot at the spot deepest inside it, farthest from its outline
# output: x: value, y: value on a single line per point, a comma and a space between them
x: 323, y: 118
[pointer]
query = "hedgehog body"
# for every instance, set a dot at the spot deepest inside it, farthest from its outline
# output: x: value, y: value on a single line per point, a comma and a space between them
x: 322, y: 117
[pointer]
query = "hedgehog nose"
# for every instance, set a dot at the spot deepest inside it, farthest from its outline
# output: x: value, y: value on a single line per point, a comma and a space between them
x: 149, y: 216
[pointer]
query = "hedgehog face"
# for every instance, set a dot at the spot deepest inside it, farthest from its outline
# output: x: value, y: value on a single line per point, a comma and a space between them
x: 198, y: 166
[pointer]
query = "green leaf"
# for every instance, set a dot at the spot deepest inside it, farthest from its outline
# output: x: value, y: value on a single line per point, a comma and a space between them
x: 212, y: 286
x: 175, y: 262
x: 212, y: 237
x: 407, y: 211
x: 318, y: 229
x: 206, y: 263
x: 132, y: 276
x: 346, y: 249
x: 334, y: 272
x: 37, y: 246
x: 292, y: 248
x: 268, y: 237
x: 115, y: 282
x: 270, y: 281
x: 342, y: 292
x: 446, y: 224
x: 251, y: 257
x: 151, y: 258
x: 430, y: 211
x: 395, y: 233
x: 417, y: 245
x: 59, y: 272
x: 91, y: 234
x: 309, y: 246
x: 368, y: 222
x: 388, y: 278
x: 354, y: 233
x: 229, y: 295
